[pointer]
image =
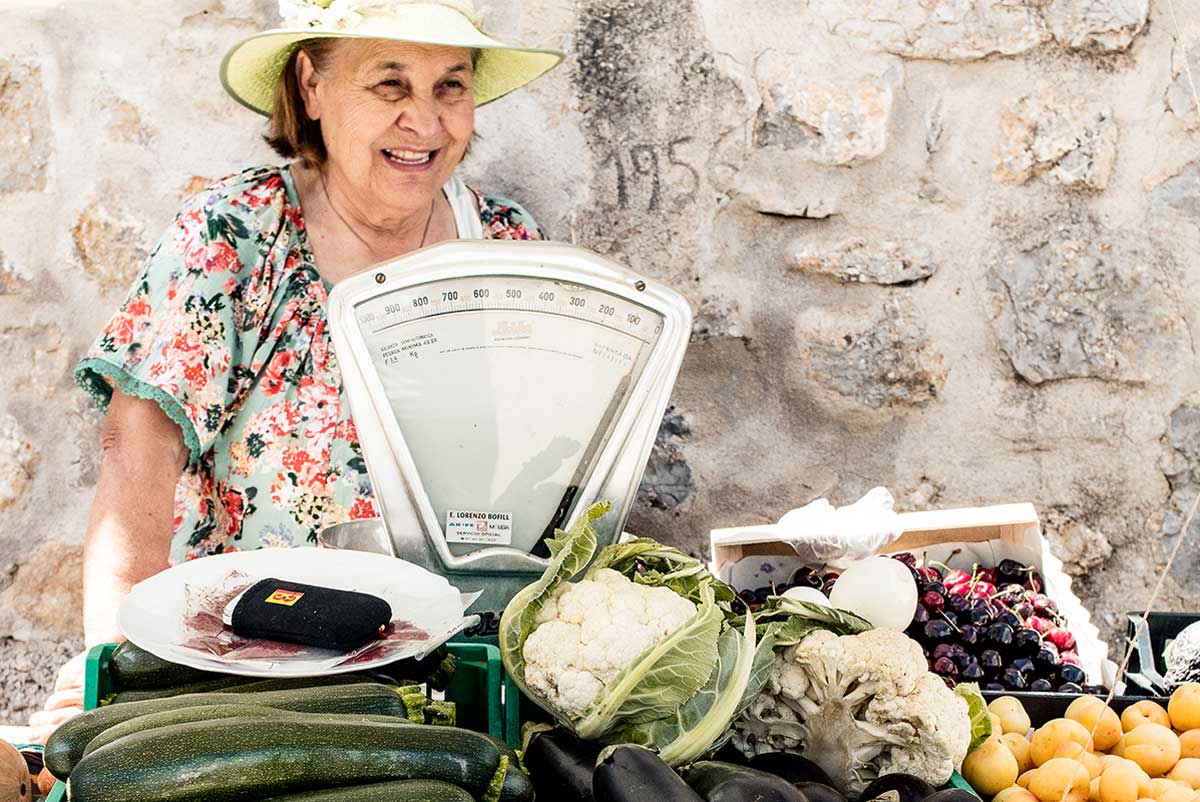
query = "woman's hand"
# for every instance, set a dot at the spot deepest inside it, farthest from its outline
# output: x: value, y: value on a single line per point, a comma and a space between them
x: 66, y: 701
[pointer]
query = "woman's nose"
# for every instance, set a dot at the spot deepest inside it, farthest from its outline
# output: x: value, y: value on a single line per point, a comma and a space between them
x: 421, y: 117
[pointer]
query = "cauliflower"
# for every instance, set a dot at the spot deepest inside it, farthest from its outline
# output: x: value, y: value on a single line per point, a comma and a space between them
x: 860, y: 706
x: 589, y: 631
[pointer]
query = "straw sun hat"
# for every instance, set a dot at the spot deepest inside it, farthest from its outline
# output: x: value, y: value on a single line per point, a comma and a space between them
x: 251, y: 69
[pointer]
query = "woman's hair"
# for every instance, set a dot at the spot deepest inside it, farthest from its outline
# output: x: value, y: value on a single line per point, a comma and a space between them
x: 290, y: 131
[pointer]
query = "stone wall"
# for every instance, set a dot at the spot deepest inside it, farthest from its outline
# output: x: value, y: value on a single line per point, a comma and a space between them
x: 948, y: 247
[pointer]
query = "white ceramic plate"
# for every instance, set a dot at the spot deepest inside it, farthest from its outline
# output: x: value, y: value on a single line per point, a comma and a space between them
x: 152, y: 615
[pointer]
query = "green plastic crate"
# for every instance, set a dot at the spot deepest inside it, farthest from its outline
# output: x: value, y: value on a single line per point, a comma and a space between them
x: 477, y: 691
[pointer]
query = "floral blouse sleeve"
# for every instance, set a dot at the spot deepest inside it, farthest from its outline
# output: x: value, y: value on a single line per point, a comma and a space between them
x: 187, y: 327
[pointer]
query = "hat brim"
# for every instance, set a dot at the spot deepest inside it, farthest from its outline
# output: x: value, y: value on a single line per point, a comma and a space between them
x: 251, y: 70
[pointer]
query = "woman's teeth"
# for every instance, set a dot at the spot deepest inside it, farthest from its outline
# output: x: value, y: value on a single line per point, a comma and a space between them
x: 409, y: 156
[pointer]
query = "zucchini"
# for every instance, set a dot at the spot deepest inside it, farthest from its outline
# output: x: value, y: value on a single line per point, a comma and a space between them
x: 65, y: 747
x: 243, y: 759
x: 226, y: 683
x: 132, y: 667
x: 249, y: 685
x: 398, y: 791
x: 180, y: 716
x: 634, y: 774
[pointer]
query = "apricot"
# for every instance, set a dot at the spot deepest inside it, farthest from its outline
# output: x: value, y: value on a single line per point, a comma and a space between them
x: 1015, y: 793
x: 1019, y: 746
x: 1123, y: 781
x: 1144, y: 712
x: 1047, y: 738
x: 1093, y: 714
x: 1186, y: 770
x: 1011, y: 712
x: 1061, y: 779
x: 1089, y: 760
x: 1189, y: 743
x: 1153, y: 747
x: 1184, y: 707
x: 990, y: 768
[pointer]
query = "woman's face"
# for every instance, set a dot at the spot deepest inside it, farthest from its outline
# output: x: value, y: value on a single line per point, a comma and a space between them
x: 396, y: 118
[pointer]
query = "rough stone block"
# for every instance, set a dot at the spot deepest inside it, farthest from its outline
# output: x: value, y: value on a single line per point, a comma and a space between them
x: 1076, y: 141
x: 10, y: 280
x: 1181, y: 467
x: 1079, y: 546
x: 110, y: 242
x: 717, y: 317
x: 667, y: 482
x: 26, y: 138
x: 835, y: 124
x: 868, y: 262
x: 17, y: 460
x: 1179, y: 194
x: 1082, y: 307
x: 1179, y: 98
x: 947, y: 30
x: 1100, y: 25
x: 45, y: 599
x: 892, y: 363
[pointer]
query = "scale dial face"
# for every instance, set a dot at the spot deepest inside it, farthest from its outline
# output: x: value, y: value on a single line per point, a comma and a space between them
x: 505, y: 388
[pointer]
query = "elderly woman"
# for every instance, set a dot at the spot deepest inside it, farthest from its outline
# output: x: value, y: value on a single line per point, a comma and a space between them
x: 226, y: 428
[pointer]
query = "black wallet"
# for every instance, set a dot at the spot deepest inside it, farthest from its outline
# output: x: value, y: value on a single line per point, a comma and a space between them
x: 310, y: 615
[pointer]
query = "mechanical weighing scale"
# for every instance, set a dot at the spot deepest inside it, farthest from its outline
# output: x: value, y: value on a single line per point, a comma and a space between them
x: 499, y: 389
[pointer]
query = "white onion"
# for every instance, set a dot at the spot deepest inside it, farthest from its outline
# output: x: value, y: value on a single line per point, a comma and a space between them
x: 879, y: 589
x: 806, y: 594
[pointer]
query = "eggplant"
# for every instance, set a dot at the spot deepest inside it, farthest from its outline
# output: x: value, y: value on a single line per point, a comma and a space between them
x: 634, y: 774
x: 791, y: 767
x: 897, y: 788
x: 726, y: 782
x: 819, y: 792
x: 560, y: 764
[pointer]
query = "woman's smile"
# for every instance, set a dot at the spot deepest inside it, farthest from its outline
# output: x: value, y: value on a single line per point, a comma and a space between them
x: 410, y: 161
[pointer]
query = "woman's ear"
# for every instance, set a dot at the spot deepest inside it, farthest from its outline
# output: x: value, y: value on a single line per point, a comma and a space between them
x: 307, y: 78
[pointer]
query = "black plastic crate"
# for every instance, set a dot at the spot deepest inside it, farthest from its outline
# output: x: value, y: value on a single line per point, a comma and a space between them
x: 1144, y: 674
x: 1043, y: 707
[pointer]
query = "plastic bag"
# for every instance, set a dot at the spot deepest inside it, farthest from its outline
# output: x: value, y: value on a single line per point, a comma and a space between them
x: 823, y: 533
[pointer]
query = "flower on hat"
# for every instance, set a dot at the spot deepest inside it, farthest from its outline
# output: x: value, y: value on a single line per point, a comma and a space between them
x: 343, y: 14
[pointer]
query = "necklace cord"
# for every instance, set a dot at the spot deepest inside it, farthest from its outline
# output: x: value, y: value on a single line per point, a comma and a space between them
x: 350, y: 228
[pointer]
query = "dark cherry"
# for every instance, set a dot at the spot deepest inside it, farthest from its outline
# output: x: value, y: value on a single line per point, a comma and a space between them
x: 1072, y: 675
x: 968, y: 635
x: 957, y: 604
x: 972, y: 673
x: 937, y: 587
x: 1046, y: 660
x: 942, y: 650
x: 963, y: 660
x: 945, y: 666
x: 1026, y: 642
x: 991, y: 661
x: 906, y: 557
x: 1023, y: 664
x: 933, y: 600
x: 921, y: 615
x: 1070, y: 687
x: 938, y: 631
x: 994, y: 686
x: 1013, y: 679
x: 1000, y: 635
x: 1010, y: 618
x: 1095, y: 690
x: 1041, y: 685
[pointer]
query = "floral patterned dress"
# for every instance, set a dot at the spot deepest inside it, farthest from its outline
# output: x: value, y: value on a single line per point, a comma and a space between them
x: 226, y: 330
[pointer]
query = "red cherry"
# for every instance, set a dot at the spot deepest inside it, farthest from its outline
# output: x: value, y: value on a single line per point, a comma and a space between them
x: 983, y: 590
x: 1070, y: 657
x: 987, y: 575
x: 1042, y: 625
x: 1061, y: 638
x: 956, y: 577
